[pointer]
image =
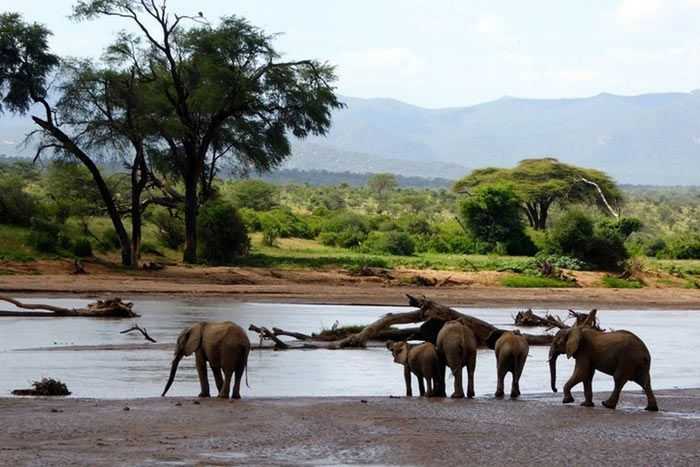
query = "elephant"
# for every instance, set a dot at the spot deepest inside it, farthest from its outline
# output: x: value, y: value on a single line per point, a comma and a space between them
x: 511, y: 352
x: 421, y: 360
x: 620, y: 354
x: 224, y: 345
x: 456, y: 346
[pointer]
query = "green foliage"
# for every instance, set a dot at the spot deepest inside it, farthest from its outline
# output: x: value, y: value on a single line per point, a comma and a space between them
x: 391, y: 243
x: 534, y: 281
x: 109, y: 239
x: 17, y: 206
x: 344, y: 229
x: 541, y: 182
x: 44, y: 235
x: 222, y: 234
x: 559, y: 261
x: 625, y: 226
x: 170, y: 229
x: 575, y: 234
x: 493, y: 215
x: 381, y: 185
x: 254, y: 194
x: 82, y: 248
x: 617, y: 283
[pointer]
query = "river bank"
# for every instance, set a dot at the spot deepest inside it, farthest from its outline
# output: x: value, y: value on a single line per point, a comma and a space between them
x: 537, y: 429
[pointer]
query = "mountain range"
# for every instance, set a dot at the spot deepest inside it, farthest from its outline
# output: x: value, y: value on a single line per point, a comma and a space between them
x: 651, y: 139
x: 645, y: 139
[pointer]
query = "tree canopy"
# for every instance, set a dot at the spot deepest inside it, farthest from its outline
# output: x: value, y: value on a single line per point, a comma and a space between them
x: 543, y: 182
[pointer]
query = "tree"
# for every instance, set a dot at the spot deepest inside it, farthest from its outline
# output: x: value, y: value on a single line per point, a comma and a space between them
x: 381, y: 185
x: 493, y: 215
x: 218, y: 88
x: 543, y: 182
x: 25, y: 66
x: 255, y: 194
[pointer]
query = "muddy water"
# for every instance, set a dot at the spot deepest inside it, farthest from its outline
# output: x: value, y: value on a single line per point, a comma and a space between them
x: 673, y: 338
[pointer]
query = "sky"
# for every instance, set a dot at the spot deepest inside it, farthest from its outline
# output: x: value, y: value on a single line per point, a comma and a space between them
x: 450, y: 53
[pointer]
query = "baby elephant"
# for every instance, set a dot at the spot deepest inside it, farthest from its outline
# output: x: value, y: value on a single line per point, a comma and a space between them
x: 421, y: 360
x: 456, y: 345
x: 511, y: 352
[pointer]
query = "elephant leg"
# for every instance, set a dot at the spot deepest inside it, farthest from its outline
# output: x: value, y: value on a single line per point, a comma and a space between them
x: 429, y: 383
x: 439, y: 390
x: 226, y: 387
x: 471, y: 366
x: 651, y: 399
x: 421, y: 386
x: 611, y: 402
x: 217, y: 376
x: 515, y: 384
x: 459, y: 389
x: 588, y: 390
x: 407, y: 380
x: 576, y: 378
x: 499, y: 385
x: 201, y: 364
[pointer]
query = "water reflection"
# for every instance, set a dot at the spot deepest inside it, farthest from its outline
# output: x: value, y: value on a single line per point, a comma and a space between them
x: 672, y: 337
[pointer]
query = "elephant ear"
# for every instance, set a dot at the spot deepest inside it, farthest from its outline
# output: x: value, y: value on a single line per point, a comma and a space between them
x: 493, y: 337
x: 401, y: 353
x: 194, y: 339
x: 573, y: 341
x: 390, y: 344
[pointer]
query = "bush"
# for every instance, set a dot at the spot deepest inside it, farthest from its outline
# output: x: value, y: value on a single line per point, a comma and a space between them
x: 575, y: 235
x: 532, y: 281
x: 17, y: 206
x: 110, y: 240
x: 82, y: 248
x: 616, y: 283
x: 44, y: 235
x: 222, y: 234
x: 345, y: 229
x: 625, y: 226
x: 654, y: 247
x: 170, y: 230
x: 255, y: 194
x: 392, y: 243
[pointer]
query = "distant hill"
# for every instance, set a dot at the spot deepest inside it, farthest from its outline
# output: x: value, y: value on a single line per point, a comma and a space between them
x: 327, y: 178
x: 646, y: 139
x: 651, y: 139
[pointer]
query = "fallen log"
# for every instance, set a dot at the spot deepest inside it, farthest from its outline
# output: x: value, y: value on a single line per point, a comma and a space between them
x: 433, y: 315
x: 266, y: 334
x: 296, y: 335
x: 528, y: 318
x: 114, y: 308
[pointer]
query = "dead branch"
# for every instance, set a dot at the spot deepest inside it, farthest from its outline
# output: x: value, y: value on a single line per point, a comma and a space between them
x: 616, y: 214
x: 296, y: 335
x: 528, y: 318
x: 136, y: 327
x: 113, y: 308
x: 266, y: 334
x: 359, y: 339
x: 581, y: 319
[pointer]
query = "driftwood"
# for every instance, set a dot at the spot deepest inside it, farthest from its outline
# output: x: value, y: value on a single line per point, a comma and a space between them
x: 528, y: 318
x: 266, y: 334
x: 581, y: 319
x: 45, y: 387
x: 433, y: 315
x: 296, y: 335
x: 113, y: 308
x: 136, y: 327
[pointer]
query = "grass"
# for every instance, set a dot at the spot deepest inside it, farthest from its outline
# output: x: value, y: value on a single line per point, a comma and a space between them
x: 534, y: 281
x: 340, y: 333
x: 13, y: 244
x: 616, y: 283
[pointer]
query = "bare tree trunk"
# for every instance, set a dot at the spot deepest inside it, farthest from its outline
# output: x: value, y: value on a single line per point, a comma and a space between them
x: 615, y: 214
x: 191, y: 208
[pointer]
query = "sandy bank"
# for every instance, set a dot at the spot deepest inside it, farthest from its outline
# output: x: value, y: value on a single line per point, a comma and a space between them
x: 537, y: 429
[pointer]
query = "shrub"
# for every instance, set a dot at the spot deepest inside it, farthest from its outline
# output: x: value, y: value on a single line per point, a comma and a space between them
x: 82, y: 248
x: 625, y: 226
x: 222, y: 234
x: 575, y: 235
x: 349, y: 230
x: 617, y: 283
x: 170, y: 230
x: 654, y: 247
x: 148, y: 248
x: 110, y: 239
x: 686, y: 250
x: 255, y: 194
x: 532, y: 281
x: 44, y: 235
x: 393, y: 243
x: 17, y: 206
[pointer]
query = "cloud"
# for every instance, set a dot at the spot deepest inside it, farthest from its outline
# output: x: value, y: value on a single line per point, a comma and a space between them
x: 393, y: 61
x: 635, y: 14
x: 10, y: 142
x: 489, y: 23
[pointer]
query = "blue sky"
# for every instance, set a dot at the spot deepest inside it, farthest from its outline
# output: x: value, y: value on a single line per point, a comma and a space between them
x: 446, y: 53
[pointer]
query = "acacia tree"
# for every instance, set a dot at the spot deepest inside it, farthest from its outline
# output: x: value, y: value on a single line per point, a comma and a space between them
x: 218, y: 83
x: 542, y: 182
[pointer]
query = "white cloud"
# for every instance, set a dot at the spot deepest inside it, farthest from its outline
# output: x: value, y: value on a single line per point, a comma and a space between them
x: 635, y: 14
x: 489, y: 23
x: 394, y: 61
x: 9, y: 142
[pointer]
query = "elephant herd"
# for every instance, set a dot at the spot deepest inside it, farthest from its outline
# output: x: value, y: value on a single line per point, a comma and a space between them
x: 621, y: 354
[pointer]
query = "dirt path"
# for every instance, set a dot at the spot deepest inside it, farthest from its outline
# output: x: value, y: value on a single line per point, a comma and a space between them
x: 533, y: 430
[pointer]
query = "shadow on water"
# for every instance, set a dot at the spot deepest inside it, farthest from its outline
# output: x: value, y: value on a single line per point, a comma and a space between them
x: 673, y: 337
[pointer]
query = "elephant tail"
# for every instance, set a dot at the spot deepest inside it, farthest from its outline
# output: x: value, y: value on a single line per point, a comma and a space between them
x: 246, y: 372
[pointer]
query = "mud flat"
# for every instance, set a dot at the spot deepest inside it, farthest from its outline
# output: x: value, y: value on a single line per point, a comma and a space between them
x: 536, y: 429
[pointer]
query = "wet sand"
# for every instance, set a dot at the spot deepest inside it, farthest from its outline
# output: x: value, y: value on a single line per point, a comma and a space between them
x: 536, y: 429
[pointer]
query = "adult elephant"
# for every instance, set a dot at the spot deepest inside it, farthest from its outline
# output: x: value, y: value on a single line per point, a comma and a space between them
x: 225, y: 346
x: 511, y: 352
x: 456, y: 346
x: 620, y: 354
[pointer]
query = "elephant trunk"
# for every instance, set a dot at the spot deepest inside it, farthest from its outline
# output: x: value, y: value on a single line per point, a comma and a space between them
x: 553, y: 368
x: 173, y: 370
